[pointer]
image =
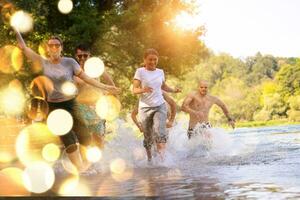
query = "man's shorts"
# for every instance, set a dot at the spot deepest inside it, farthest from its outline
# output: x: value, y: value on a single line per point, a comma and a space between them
x: 153, y: 120
x: 199, y: 128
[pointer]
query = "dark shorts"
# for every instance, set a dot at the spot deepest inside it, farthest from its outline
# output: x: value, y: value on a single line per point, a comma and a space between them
x: 78, y: 131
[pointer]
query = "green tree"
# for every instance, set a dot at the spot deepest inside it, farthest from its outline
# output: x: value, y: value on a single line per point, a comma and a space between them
x: 294, y: 112
x: 261, y: 68
x: 288, y: 79
x: 118, y: 30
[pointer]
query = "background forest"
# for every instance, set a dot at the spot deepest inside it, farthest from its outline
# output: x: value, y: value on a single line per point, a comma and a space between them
x: 256, y: 88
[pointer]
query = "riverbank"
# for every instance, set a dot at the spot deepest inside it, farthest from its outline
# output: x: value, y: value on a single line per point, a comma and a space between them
x: 265, y: 123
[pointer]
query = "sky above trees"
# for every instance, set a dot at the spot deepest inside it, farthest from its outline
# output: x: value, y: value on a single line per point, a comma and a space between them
x: 242, y: 28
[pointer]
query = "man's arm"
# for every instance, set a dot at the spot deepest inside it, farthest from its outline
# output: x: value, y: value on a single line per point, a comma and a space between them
x: 111, y: 89
x: 134, y: 118
x: 107, y: 78
x: 222, y: 105
x: 186, y: 104
x: 172, y: 104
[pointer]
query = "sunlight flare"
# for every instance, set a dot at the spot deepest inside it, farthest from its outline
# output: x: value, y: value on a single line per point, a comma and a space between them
x: 65, y: 6
x: 22, y: 21
x: 60, y: 122
x: 38, y: 177
x: 94, y: 67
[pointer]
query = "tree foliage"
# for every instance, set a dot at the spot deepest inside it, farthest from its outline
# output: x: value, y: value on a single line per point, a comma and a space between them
x: 118, y: 31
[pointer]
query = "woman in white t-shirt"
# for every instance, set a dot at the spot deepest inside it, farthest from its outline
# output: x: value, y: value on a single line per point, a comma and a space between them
x: 148, y: 83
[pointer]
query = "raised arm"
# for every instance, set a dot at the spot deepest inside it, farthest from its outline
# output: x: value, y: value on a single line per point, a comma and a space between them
x: 111, y: 89
x: 222, y: 105
x: 107, y: 79
x: 29, y: 53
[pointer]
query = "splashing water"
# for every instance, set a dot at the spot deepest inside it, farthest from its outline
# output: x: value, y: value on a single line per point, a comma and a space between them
x: 244, y: 163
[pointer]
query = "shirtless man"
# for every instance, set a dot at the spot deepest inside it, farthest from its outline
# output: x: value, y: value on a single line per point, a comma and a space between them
x: 198, y: 104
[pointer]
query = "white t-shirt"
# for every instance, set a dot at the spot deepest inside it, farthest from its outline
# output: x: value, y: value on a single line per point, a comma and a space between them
x: 153, y: 79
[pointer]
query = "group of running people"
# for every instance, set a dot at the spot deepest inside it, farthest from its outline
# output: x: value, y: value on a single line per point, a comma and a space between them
x: 148, y: 82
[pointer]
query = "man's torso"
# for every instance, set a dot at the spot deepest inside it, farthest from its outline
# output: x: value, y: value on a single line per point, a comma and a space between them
x: 201, y: 104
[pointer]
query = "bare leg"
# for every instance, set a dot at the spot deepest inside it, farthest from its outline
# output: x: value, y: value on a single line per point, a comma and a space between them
x: 75, y: 156
x: 149, y: 155
x: 161, y: 147
x: 98, y: 140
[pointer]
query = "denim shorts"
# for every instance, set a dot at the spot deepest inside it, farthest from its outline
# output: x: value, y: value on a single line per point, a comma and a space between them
x: 153, y: 120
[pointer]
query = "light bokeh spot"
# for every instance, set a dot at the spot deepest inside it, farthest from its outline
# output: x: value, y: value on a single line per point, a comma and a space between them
x: 17, y: 59
x: 11, y: 59
x: 22, y: 21
x: 93, y: 154
x: 60, y: 122
x: 42, y: 50
x: 51, y: 152
x: 74, y: 187
x: 69, y: 88
x: 118, y: 166
x: 11, y: 182
x: 11, y: 127
x: 38, y: 177
x: 12, y: 100
x: 94, y: 67
x: 108, y: 107
x: 65, y: 6
x: 31, y: 141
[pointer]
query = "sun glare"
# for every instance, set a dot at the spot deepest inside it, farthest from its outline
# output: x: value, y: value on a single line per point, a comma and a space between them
x: 65, y: 6
x: 94, y: 67
x: 187, y: 21
x: 22, y: 21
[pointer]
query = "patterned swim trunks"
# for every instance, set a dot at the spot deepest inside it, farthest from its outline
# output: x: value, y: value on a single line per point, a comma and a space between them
x: 199, y: 128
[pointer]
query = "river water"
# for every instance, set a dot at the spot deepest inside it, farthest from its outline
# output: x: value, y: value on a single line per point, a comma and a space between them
x: 245, y: 163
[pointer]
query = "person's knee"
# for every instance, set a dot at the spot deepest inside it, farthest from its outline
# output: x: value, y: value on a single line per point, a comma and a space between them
x: 71, y: 148
x: 147, y: 144
x: 83, y: 134
x: 161, y: 139
x: 85, y: 140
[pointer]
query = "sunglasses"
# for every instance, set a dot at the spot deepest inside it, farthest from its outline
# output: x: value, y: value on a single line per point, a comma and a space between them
x: 80, y: 56
x: 54, y: 45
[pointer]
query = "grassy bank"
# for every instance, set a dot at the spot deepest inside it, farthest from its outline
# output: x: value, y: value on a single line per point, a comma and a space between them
x: 265, y: 123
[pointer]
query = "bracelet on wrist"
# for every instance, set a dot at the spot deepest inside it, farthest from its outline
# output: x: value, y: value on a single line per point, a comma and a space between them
x: 230, y: 119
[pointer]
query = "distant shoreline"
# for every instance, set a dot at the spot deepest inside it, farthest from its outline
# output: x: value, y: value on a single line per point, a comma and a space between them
x: 265, y: 123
